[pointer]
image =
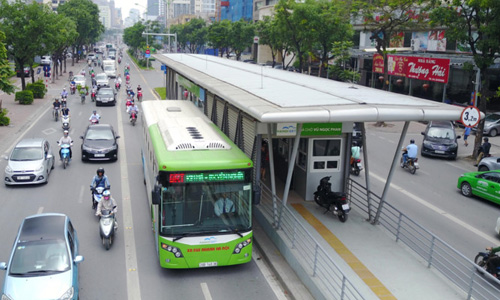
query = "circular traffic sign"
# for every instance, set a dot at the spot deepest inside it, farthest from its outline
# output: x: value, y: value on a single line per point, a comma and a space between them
x: 470, y: 116
x: 148, y: 51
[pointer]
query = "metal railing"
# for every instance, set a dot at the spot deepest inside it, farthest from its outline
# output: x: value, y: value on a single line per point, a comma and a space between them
x: 462, y: 271
x: 330, y: 279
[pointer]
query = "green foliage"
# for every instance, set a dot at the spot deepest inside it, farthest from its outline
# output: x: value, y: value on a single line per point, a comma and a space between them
x: 24, y: 97
x: 5, y: 70
x: 4, y: 120
x: 162, y: 92
x: 38, y: 88
x: 218, y: 35
x: 242, y: 33
x: 195, y: 32
x: 132, y: 36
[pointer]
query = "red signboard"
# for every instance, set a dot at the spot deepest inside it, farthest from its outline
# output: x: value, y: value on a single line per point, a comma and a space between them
x: 224, y: 3
x: 428, y: 68
x: 422, y: 68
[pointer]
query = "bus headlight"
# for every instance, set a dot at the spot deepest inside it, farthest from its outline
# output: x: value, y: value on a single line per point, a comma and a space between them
x: 241, y: 245
x: 176, y: 251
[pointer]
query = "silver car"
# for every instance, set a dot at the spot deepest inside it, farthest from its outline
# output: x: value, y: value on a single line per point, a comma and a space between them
x: 497, y: 228
x: 79, y: 80
x: 30, y: 162
x: 492, y: 124
x: 489, y: 164
x: 102, y: 79
x: 44, y: 260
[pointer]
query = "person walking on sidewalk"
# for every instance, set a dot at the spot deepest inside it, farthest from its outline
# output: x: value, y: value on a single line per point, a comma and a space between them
x: 466, y: 135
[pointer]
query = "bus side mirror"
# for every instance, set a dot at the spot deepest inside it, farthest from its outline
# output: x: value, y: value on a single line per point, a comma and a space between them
x: 156, y: 194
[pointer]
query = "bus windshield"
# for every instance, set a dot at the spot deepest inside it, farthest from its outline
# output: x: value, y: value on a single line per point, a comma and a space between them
x: 205, y: 208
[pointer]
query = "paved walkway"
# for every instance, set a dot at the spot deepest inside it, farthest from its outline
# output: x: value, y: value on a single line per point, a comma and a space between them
x: 22, y: 116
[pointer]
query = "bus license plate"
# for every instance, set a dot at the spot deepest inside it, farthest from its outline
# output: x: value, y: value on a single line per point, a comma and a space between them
x: 208, y: 264
x: 345, y: 206
x: 99, y: 155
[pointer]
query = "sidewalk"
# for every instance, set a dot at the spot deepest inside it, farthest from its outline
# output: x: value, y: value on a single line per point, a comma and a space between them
x: 22, y: 116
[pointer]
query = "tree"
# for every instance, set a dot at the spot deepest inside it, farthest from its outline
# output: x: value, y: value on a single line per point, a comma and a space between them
x: 5, y: 70
x: 85, y: 14
x: 386, y: 18
x: 474, y: 23
x: 26, y: 28
x: 296, y: 21
x: 241, y: 36
x: 330, y: 26
x: 132, y: 36
x: 63, y: 35
x: 218, y: 35
x: 195, y: 31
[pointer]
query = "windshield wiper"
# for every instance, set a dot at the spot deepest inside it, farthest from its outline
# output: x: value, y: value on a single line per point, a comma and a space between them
x: 234, y: 230
x: 188, y: 234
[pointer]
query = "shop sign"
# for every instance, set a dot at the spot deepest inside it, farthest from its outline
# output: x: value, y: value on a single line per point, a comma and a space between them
x: 378, y: 63
x: 286, y: 129
x: 422, y: 68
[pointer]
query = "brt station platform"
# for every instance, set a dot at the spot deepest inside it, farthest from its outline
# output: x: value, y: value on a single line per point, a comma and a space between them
x: 308, y: 123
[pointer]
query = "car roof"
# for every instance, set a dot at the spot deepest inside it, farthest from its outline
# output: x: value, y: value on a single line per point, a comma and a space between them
x: 43, y: 227
x: 31, y: 142
x: 440, y: 124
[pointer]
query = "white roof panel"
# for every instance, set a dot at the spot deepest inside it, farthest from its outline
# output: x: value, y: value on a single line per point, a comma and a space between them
x: 273, y: 95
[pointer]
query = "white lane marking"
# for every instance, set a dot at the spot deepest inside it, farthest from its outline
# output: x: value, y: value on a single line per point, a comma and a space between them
x: 273, y: 282
x: 80, y: 197
x: 133, y: 287
x: 206, y: 291
x: 40, y: 210
x: 443, y: 213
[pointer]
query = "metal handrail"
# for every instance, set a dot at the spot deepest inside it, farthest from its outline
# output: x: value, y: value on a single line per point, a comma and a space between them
x: 330, y: 279
x: 462, y: 271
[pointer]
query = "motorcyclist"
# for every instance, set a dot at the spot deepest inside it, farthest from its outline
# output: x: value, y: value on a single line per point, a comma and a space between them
x: 118, y: 81
x: 132, y: 109
x: 57, y: 106
x: 107, y: 202
x: 139, y: 89
x: 410, y: 151
x: 65, y: 140
x: 494, y: 262
x: 64, y: 93
x: 65, y: 112
x: 99, y: 180
x: 94, y: 116
x: 355, y: 152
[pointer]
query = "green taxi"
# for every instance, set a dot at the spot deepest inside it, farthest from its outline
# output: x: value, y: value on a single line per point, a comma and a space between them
x: 482, y: 184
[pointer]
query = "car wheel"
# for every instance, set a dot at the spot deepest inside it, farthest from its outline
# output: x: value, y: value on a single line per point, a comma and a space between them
x: 466, y: 189
x: 493, y: 132
x: 483, y: 168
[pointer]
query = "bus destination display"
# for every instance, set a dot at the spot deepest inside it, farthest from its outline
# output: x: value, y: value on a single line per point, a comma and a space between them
x: 206, y: 177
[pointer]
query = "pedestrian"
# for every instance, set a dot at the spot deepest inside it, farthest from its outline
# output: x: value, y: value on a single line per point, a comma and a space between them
x: 484, y: 151
x: 466, y: 135
x: 264, y: 160
x: 186, y: 94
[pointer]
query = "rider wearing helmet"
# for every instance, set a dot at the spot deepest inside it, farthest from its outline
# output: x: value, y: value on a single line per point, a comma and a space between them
x: 99, y: 180
x: 355, y: 151
x: 94, y: 116
x: 411, y: 151
x: 107, y: 202
x: 65, y: 140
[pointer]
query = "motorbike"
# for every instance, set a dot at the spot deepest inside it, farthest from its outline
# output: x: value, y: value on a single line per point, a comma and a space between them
x: 107, y: 227
x: 97, y: 196
x: 481, y: 260
x: 82, y: 96
x: 128, y: 104
x: 117, y: 86
x: 65, y: 154
x: 335, y: 202
x: 94, y: 121
x: 64, y: 101
x: 127, y: 82
x: 133, y: 117
x: 411, y: 163
x: 72, y: 88
x: 93, y: 96
x: 65, y: 122
x: 356, y: 166
x: 119, y: 60
x: 139, y: 95
x: 55, y: 114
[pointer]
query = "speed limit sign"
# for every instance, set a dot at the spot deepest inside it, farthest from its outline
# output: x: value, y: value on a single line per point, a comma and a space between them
x: 470, y: 116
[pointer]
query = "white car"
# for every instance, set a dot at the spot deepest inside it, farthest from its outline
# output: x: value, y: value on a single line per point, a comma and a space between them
x: 497, y: 229
x: 91, y: 56
x: 79, y: 80
x: 102, y: 79
x: 46, y: 60
x: 110, y: 71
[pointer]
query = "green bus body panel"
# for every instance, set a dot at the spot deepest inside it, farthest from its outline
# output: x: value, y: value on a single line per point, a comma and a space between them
x: 197, y: 160
x: 195, y: 254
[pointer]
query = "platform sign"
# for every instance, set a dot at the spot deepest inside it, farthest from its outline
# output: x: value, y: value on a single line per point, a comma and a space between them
x: 470, y: 116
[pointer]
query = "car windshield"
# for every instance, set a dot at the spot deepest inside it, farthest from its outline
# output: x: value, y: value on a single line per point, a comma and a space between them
x: 25, y: 154
x: 40, y: 257
x: 108, y: 68
x: 492, y: 118
x: 106, y: 92
x: 441, y: 133
x: 99, y: 135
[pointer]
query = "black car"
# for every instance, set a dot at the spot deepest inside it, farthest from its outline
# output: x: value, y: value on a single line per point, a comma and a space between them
x: 26, y: 70
x: 440, y: 140
x: 105, y: 96
x: 99, y: 143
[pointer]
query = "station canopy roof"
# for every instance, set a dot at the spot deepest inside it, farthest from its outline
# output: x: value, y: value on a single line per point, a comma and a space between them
x: 273, y: 95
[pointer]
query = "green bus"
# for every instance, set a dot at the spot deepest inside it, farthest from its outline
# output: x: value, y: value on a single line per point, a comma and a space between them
x: 200, y: 188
